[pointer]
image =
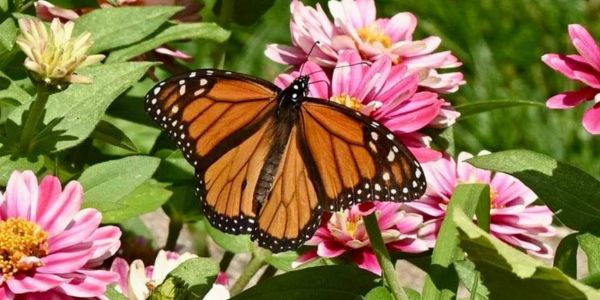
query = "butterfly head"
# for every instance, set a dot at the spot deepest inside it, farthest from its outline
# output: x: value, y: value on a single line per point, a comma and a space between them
x: 297, y: 90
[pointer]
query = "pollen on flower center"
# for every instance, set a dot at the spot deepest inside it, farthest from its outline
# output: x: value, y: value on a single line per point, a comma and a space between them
x: 348, y: 101
x: 493, y: 198
x: 22, y: 243
x: 374, y: 34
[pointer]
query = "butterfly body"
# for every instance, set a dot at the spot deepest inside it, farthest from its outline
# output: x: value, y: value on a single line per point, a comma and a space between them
x: 269, y: 161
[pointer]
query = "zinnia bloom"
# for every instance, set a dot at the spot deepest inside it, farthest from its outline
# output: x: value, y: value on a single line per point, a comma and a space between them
x: 346, y: 234
x: 50, y: 246
x: 55, y: 55
x: 584, y: 68
x: 356, y: 27
x: 137, y: 282
x: 514, y: 219
x: 387, y: 93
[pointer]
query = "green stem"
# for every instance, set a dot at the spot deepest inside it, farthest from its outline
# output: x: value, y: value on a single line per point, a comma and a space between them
x: 257, y: 262
x: 225, y: 261
x: 225, y: 18
x: 383, y: 257
x: 175, y: 227
x: 268, y: 273
x: 35, y: 115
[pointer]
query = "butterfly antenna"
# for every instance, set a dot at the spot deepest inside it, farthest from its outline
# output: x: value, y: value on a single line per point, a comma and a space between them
x: 344, y: 66
x: 319, y: 81
x: 308, y: 55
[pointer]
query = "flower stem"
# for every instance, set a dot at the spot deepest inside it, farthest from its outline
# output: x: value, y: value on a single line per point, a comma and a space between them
x: 225, y: 18
x: 35, y: 115
x: 175, y: 227
x: 383, y: 257
x: 257, y: 262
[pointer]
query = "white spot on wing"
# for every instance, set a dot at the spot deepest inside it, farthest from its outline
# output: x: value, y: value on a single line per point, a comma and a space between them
x: 391, y: 156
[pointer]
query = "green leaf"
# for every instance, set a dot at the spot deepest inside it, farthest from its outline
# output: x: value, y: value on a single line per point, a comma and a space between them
x: 565, y: 258
x: 111, y: 134
x: 8, y: 35
x: 324, y: 282
x: 379, y: 293
x: 78, y: 109
x: 9, y: 164
x: 470, y: 278
x: 107, y: 184
x: 71, y: 4
x: 144, y: 199
x: 174, y: 167
x: 183, y: 205
x: 130, y: 25
x: 473, y: 108
x: 191, y: 280
x: 283, y: 261
x: 229, y: 242
x: 207, y: 31
x: 11, y: 93
x: 572, y: 194
x: 112, y: 294
x: 442, y: 280
x: 590, y: 244
x: 511, y: 274
x: 245, y: 12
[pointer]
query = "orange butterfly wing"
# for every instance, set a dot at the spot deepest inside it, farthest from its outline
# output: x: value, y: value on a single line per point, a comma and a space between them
x: 356, y: 158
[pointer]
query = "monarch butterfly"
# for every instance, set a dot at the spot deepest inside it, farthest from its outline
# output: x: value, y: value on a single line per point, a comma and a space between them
x: 269, y: 161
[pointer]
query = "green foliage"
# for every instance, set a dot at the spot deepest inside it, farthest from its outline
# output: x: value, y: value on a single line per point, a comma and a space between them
x: 571, y: 193
x: 242, y: 12
x: 131, y: 24
x: 325, y: 282
x: 565, y: 258
x: 502, y: 266
x: 470, y: 109
x: 111, y: 134
x: 590, y: 244
x: 191, y: 280
x: 229, y: 242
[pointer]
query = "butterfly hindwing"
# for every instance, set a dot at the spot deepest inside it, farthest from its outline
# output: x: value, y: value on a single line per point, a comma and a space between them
x: 356, y: 158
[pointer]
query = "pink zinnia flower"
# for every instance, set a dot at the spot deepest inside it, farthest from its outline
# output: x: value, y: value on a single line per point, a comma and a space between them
x: 356, y: 27
x: 137, y: 281
x: 385, y: 92
x: 50, y: 245
x: 346, y: 234
x: 513, y: 219
x: 583, y: 67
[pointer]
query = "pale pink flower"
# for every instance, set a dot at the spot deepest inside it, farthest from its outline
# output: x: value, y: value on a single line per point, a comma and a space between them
x: 47, y: 11
x: 356, y: 27
x: 137, y: 281
x: 387, y: 93
x: 583, y: 67
x: 51, y: 246
x: 345, y: 234
x: 514, y: 219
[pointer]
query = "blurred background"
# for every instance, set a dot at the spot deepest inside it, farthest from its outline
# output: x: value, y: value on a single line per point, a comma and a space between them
x: 500, y: 44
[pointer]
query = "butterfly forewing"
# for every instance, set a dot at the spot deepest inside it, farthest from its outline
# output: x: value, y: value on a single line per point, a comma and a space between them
x: 357, y: 159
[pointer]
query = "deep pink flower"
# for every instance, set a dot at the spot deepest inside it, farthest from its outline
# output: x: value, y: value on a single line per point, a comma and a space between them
x: 583, y: 67
x: 386, y: 92
x: 513, y: 219
x: 346, y: 234
x: 356, y: 27
x: 137, y: 281
x: 56, y: 245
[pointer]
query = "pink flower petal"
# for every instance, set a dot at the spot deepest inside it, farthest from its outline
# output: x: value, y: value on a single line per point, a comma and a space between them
x: 585, y: 44
x: 591, y: 119
x: 401, y: 26
x: 106, y: 242
x: 305, y: 258
x: 88, y: 283
x: 84, y: 224
x: 571, y: 99
x: 37, y: 282
x: 366, y: 260
x: 18, y: 196
x: 285, y: 54
x: 67, y: 260
x: 574, y: 67
x: 121, y: 268
x: 330, y: 249
x: 65, y: 206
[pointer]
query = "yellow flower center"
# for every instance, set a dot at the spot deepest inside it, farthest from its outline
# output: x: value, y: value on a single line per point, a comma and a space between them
x: 21, y: 240
x: 493, y: 197
x: 373, y: 34
x: 348, y: 101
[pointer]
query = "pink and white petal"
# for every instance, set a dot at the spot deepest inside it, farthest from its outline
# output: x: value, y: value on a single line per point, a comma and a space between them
x: 414, y: 114
x: 468, y: 173
x: 66, y: 205
x: 401, y: 26
x: 173, y: 53
x: 121, y: 268
x: 591, y: 119
x: 427, y: 209
x: 330, y: 249
x: 574, y: 67
x: 67, y: 260
x: 409, y: 245
x: 83, y: 225
x: 424, y: 154
x: 46, y: 11
x: 283, y: 54
x: 18, y: 197
x: 571, y: 99
x: 409, y: 223
x: 106, y: 242
x: 366, y: 260
x: 365, y: 9
x: 305, y: 258
x: 49, y: 191
x: 585, y: 45
x: 38, y: 282
x: 88, y: 283
x: 347, y: 74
